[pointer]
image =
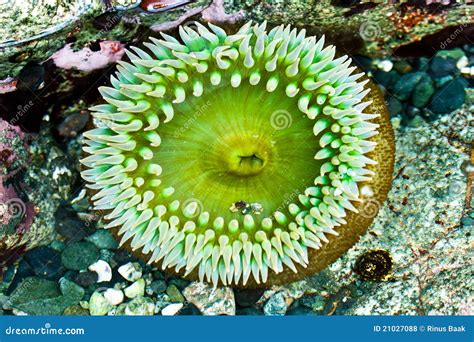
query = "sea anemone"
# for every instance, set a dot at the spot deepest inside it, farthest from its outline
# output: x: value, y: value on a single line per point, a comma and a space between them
x: 238, y: 159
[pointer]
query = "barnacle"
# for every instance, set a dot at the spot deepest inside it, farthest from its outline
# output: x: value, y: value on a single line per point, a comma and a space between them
x: 237, y: 159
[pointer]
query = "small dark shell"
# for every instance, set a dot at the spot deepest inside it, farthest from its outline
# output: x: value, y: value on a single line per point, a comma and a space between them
x: 374, y: 265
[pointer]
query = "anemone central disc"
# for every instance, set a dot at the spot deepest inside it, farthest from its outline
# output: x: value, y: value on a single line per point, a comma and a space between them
x: 228, y: 153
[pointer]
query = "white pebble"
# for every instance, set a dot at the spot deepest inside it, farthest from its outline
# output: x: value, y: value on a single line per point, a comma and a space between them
x: 468, y: 70
x: 115, y: 297
x: 131, y: 271
x: 171, y: 309
x: 462, y: 62
x: 385, y: 65
x: 103, y: 270
x: 136, y: 289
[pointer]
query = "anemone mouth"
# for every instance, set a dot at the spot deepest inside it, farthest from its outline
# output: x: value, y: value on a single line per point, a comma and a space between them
x: 232, y: 158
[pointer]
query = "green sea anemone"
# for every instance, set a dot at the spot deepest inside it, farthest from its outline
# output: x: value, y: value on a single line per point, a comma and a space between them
x: 238, y: 159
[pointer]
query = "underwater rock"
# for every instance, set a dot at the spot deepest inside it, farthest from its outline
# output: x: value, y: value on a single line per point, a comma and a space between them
x: 8, y: 85
x: 73, y: 124
x: 441, y: 67
x: 395, y: 107
x: 423, y: 91
x: 299, y: 311
x: 158, y: 286
x: 99, y: 305
x: 276, y: 305
x: 70, y: 226
x: 85, y: 279
x: 36, y: 296
x: 28, y: 203
x: 406, y: 84
x: 174, y: 294
x: 87, y: 60
x: 386, y: 79
x: 136, y: 289
x: 131, y: 271
x: 32, y: 31
x: 102, y: 239
x: 103, y: 270
x: 172, y: 309
x: 449, y: 97
x: 16, y: 218
x: 315, y: 303
x: 216, y: 14
x: 209, y: 300
x: 78, y: 256
x: 45, y: 262
x: 46, y: 27
x: 114, y: 296
x: 249, y: 312
x: 140, y: 306
x: 75, y: 310
x: 373, y: 30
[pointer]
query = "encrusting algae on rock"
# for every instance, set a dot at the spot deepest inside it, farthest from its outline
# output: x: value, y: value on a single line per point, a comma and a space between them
x: 271, y: 118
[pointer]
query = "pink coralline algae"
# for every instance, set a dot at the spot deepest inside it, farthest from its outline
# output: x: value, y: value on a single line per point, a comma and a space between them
x: 15, y: 215
x: 87, y: 60
x: 8, y: 85
x: 11, y: 159
x: 16, y: 212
